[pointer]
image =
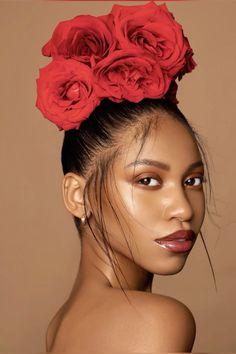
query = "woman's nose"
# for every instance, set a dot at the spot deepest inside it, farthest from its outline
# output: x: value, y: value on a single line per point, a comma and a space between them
x: 178, y: 205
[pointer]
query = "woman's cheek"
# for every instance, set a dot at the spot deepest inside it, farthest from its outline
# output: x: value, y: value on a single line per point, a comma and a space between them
x: 197, y: 200
x: 201, y: 207
x: 141, y: 204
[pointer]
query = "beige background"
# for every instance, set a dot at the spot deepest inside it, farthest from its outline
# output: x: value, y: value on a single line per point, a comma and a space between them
x: 39, y: 250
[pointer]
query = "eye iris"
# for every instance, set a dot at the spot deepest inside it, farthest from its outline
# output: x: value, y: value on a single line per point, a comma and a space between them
x: 146, y: 180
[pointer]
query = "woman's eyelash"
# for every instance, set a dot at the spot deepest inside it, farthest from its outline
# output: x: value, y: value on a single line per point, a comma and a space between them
x: 149, y: 181
x: 191, y: 181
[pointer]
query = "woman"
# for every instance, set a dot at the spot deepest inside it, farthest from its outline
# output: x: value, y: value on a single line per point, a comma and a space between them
x: 134, y: 173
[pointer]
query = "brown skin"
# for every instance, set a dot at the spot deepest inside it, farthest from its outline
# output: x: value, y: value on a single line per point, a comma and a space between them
x: 151, y: 202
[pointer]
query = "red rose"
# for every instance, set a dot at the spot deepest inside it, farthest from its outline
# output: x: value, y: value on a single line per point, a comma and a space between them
x: 129, y: 75
x: 85, y: 38
x: 65, y: 93
x: 153, y: 29
x: 189, y: 62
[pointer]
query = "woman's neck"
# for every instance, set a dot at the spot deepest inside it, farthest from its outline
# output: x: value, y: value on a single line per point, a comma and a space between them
x: 96, y: 271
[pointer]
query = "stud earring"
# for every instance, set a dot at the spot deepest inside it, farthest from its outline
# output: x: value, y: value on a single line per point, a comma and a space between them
x: 83, y: 219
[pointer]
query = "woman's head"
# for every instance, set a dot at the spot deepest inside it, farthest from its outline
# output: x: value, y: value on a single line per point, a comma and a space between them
x: 115, y: 97
x: 114, y: 176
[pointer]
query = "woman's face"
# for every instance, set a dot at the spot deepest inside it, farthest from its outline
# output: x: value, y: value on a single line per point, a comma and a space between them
x: 154, y: 194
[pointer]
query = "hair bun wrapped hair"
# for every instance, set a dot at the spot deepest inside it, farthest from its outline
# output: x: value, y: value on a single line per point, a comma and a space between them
x: 134, y: 52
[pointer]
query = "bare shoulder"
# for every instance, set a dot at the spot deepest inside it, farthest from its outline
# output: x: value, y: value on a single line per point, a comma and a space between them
x: 161, y: 323
x: 160, y: 307
x: 139, y: 323
x: 53, y: 327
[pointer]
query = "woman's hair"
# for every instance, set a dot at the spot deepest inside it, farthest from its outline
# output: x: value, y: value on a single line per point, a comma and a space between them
x: 91, y: 150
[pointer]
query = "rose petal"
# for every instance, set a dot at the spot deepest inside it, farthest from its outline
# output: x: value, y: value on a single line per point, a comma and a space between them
x: 129, y: 75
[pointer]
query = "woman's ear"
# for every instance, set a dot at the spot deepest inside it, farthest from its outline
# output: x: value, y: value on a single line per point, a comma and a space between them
x: 73, y: 194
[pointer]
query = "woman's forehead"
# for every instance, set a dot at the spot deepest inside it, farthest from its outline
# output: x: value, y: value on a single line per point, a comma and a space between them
x: 169, y: 141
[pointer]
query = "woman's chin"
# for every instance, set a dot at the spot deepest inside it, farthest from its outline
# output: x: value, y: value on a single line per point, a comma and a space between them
x: 171, y: 267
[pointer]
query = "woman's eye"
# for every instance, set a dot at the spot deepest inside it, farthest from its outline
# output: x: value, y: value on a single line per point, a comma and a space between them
x: 194, y: 181
x: 149, y: 181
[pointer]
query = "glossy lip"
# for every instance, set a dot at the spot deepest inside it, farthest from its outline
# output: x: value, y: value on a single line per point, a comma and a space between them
x: 179, y: 234
x: 180, y: 241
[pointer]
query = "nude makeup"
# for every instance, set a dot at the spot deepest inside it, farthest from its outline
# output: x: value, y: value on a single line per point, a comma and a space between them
x: 179, y: 242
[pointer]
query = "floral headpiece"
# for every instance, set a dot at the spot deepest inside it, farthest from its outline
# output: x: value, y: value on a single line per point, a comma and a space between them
x: 132, y: 53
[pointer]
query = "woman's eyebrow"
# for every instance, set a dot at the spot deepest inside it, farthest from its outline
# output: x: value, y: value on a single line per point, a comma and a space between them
x: 162, y: 165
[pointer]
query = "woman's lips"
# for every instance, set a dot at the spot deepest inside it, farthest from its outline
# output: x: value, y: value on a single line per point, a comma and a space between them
x: 179, y: 242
